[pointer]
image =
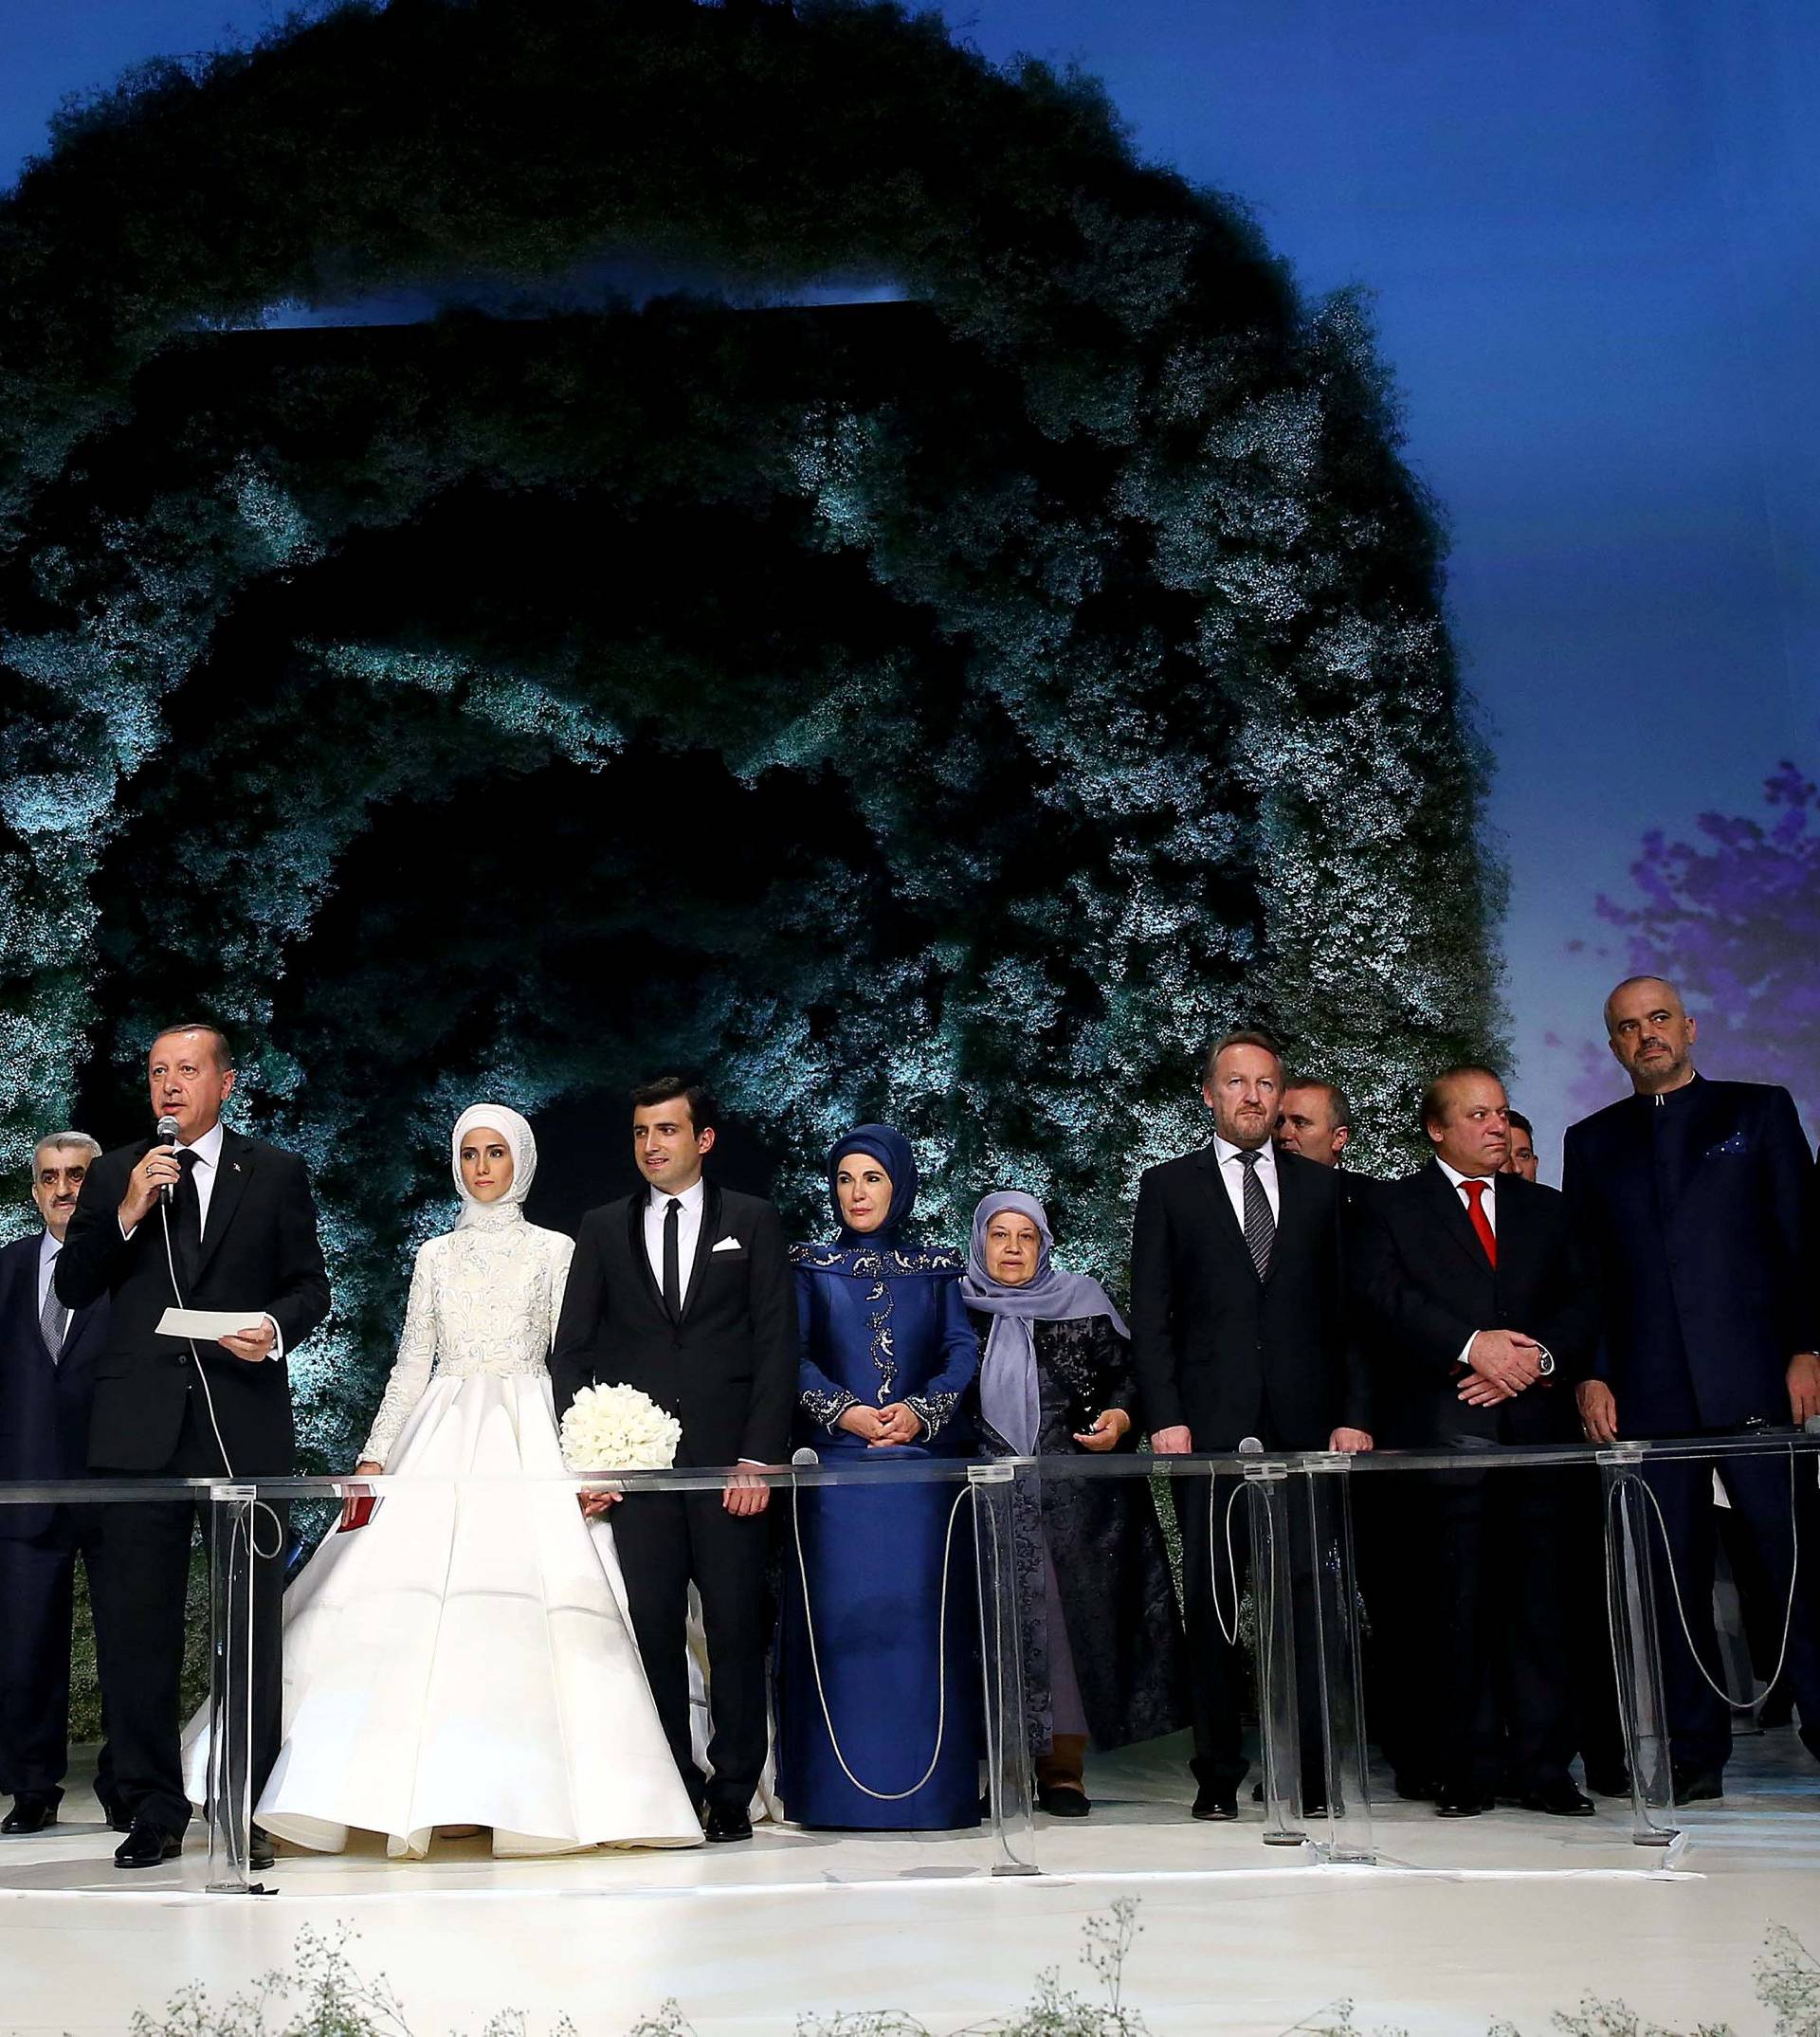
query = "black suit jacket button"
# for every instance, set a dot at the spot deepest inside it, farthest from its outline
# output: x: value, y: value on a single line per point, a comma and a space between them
x: 182, y: 1359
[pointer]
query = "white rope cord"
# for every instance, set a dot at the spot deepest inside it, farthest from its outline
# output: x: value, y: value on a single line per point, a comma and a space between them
x: 1734, y: 1704
x: 879, y: 1797
x: 259, y: 1506
x: 1231, y: 1632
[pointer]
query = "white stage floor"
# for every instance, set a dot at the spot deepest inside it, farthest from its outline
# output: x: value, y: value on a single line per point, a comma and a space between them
x: 1506, y: 1915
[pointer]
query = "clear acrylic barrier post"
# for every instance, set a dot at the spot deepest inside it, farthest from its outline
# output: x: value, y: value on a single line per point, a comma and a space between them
x: 993, y: 1503
x: 1345, y: 1832
x: 1266, y: 1490
x: 996, y: 1488
x: 231, y: 1583
x: 1636, y: 1654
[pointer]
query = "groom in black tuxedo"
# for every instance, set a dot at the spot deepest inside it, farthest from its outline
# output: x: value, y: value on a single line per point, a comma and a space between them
x: 240, y: 1233
x: 684, y: 1292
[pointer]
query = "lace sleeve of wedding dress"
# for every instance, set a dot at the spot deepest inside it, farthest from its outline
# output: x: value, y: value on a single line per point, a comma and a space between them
x: 410, y: 1368
x: 562, y: 1252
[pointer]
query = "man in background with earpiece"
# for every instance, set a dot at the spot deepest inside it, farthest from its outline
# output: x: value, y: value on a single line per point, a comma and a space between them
x: 234, y: 1234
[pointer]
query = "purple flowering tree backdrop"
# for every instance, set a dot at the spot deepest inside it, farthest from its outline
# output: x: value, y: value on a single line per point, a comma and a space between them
x: 1733, y: 917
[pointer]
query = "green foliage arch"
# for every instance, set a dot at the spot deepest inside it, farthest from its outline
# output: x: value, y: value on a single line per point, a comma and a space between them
x: 1065, y: 650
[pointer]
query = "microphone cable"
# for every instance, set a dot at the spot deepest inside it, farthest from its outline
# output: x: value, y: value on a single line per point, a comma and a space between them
x: 878, y: 1796
x: 1724, y: 1697
x: 266, y: 1556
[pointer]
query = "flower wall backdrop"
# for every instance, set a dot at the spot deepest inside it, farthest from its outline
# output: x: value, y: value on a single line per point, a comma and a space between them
x: 956, y: 709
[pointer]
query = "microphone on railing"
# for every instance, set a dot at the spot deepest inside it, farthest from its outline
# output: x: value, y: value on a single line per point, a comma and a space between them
x: 803, y: 1458
x: 168, y: 1129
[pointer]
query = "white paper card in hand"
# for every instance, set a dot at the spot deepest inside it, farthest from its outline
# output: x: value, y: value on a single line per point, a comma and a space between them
x: 208, y: 1323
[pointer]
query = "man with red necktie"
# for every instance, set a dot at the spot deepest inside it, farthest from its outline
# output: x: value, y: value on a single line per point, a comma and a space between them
x: 1484, y: 1324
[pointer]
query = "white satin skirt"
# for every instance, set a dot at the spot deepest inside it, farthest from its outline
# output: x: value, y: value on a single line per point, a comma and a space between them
x: 465, y: 1657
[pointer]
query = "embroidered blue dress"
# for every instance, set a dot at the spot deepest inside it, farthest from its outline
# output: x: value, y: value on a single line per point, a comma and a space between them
x: 882, y: 1320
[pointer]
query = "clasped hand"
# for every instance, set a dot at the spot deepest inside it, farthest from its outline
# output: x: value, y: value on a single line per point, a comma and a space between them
x: 1179, y: 1441
x: 744, y: 1493
x: 880, y: 1429
x: 1503, y: 1363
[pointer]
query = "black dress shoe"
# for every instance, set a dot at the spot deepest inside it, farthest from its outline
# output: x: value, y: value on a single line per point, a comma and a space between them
x: 1216, y: 1805
x: 1603, y: 1781
x: 1062, y: 1802
x: 260, y: 1856
x: 1698, y: 1785
x: 1312, y: 1806
x: 30, y: 1813
x: 118, y: 1819
x: 147, y: 1846
x: 1414, y: 1788
x: 727, y: 1822
x: 1458, y: 1802
x: 1558, y: 1799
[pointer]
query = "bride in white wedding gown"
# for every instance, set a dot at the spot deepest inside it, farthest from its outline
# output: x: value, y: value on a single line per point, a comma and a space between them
x: 464, y: 1659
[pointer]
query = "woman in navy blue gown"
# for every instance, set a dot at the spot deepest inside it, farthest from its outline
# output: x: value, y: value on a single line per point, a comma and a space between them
x: 878, y: 1687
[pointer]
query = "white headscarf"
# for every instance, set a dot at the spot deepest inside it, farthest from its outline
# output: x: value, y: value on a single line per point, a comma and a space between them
x: 507, y: 1209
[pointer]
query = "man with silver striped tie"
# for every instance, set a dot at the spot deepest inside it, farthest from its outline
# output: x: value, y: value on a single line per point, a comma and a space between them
x: 46, y: 1380
x: 1240, y: 1329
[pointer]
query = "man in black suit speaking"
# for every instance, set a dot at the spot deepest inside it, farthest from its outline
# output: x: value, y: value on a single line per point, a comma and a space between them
x: 238, y: 1235
x: 1237, y: 1324
x: 684, y: 1292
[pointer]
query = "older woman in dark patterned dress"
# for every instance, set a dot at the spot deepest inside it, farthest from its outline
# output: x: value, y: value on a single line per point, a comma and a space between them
x: 1103, y: 1641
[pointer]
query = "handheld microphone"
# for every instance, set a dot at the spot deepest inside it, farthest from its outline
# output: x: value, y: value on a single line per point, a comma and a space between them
x: 168, y: 1129
x: 803, y: 1458
x: 1250, y: 1446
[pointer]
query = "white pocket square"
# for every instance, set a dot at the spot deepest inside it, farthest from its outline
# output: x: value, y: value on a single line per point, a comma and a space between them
x: 729, y: 1245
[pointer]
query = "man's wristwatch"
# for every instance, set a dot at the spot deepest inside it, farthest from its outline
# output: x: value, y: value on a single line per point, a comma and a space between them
x: 1545, y: 1363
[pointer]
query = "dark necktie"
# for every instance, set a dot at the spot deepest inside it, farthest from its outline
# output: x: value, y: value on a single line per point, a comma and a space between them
x: 53, y: 1319
x: 673, y: 1259
x: 1481, y: 1221
x: 1260, y: 1226
x: 186, y: 1231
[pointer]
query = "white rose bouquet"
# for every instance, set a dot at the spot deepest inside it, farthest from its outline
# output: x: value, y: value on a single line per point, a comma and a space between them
x: 618, y: 1428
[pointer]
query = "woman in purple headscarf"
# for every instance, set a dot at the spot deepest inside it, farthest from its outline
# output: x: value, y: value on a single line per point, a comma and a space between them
x: 1102, y: 1642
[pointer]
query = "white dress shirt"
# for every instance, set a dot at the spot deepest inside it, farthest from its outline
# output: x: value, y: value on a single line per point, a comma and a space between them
x: 1232, y: 1174
x: 1488, y: 1203
x: 207, y: 1152
x: 688, y: 1231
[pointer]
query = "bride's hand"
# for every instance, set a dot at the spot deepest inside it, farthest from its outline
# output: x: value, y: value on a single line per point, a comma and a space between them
x: 594, y: 1504
x: 357, y: 1503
